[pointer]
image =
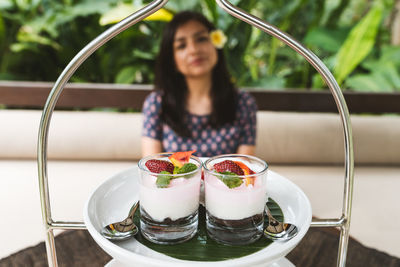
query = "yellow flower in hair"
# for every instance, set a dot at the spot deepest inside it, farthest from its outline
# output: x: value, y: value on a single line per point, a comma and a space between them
x: 218, y: 38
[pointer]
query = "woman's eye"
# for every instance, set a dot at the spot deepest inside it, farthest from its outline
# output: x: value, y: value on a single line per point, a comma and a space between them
x: 203, y: 39
x: 180, y: 46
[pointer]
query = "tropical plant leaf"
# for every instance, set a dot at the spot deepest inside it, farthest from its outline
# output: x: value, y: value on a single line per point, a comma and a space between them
x: 337, y: 12
x: 317, y: 81
x: 123, y: 10
x: 161, y: 15
x: 144, y: 55
x: 178, y: 5
x: 375, y: 82
x: 273, y: 82
x: 6, y: 4
x: 8, y: 76
x: 36, y: 29
x: 85, y: 8
x: 392, y: 54
x: 25, y: 36
x: 383, y: 74
x: 126, y: 75
x: 320, y: 8
x: 116, y: 14
x: 202, y: 248
x: 212, y: 9
x: 388, y: 71
x: 2, y: 33
x: 328, y: 39
x: 358, y: 44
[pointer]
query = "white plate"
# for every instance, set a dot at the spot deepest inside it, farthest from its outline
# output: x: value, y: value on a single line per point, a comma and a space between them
x: 111, y: 201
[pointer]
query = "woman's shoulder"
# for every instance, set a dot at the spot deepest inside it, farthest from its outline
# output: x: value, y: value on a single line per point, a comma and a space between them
x: 246, y: 99
x: 154, y: 97
x: 153, y: 101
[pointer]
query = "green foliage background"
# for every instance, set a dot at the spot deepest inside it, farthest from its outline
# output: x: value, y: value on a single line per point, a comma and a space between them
x: 39, y: 37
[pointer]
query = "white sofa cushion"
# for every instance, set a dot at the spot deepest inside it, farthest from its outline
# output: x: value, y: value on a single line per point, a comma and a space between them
x: 72, y: 135
x: 316, y: 138
x: 282, y: 137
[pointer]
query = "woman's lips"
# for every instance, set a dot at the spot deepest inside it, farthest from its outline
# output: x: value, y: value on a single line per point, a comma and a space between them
x: 197, y: 61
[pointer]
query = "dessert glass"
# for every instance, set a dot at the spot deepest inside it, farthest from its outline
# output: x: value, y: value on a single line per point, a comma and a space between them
x: 235, y: 213
x: 169, y: 215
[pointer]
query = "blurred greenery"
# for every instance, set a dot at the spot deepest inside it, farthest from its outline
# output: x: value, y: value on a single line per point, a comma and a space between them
x: 352, y: 37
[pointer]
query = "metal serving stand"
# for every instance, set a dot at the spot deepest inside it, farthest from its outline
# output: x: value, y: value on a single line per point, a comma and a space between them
x: 343, y: 223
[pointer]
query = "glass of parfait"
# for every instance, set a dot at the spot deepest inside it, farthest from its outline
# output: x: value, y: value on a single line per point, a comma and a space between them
x: 169, y: 196
x: 235, y: 198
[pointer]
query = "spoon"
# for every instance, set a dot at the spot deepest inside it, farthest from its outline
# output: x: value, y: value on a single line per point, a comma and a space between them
x: 124, y: 229
x: 276, y: 230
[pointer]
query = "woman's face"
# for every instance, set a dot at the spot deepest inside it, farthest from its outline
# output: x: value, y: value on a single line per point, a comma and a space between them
x: 194, y: 54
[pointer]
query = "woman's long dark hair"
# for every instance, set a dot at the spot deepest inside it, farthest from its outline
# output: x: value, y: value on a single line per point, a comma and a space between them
x: 173, y: 86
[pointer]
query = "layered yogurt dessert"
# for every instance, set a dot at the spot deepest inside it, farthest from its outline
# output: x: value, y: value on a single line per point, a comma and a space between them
x: 169, y: 196
x: 235, y: 197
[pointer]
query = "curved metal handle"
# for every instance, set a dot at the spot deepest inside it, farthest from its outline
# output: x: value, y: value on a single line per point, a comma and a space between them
x: 344, y: 222
x: 48, y: 110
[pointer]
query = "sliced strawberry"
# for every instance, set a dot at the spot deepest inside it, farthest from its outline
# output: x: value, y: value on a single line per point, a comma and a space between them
x: 228, y: 166
x: 157, y: 166
x: 180, y: 158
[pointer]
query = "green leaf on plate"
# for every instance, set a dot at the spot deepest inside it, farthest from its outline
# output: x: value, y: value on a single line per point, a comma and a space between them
x: 202, y: 248
x: 163, y: 180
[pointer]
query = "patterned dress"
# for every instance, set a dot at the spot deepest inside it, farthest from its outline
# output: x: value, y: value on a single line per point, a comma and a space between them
x: 206, y: 140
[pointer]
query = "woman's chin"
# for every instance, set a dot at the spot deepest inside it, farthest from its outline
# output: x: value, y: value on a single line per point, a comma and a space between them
x: 199, y: 73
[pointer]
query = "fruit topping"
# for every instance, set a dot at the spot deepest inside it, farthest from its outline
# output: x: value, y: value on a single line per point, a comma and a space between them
x: 247, y: 171
x: 180, y: 165
x: 228, y: 166
x: 157, y: 166
x: 180, y: 158
x: 230, y: 169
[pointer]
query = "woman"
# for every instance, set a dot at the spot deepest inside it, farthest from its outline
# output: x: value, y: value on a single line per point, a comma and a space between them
x: 194, y: 105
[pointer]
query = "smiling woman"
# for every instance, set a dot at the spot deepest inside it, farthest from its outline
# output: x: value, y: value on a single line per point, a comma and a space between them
x: 195, y: 105
x: 195, y: 55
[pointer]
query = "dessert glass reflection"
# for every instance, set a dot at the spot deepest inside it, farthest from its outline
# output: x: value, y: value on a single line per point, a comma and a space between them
x: 169, y: 197
x: 235, y: 197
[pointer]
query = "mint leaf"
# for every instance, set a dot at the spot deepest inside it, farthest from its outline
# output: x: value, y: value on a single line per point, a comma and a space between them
x: 230, y: 179
x: 187, y: 167
x: 163, y: 180
x: 176, y: 169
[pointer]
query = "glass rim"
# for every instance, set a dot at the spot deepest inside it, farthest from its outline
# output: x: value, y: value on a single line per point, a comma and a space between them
x: 236, y: 155
x: 165, y: 154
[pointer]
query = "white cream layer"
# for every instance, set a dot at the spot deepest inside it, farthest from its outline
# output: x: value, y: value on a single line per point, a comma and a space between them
x: 236, y: 203
x: 178, y: 200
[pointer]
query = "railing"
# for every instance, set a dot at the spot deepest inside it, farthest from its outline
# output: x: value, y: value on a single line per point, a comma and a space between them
x: 33, y: 95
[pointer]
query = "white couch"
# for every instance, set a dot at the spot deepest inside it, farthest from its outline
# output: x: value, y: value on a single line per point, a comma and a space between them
x: 85, y: 148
